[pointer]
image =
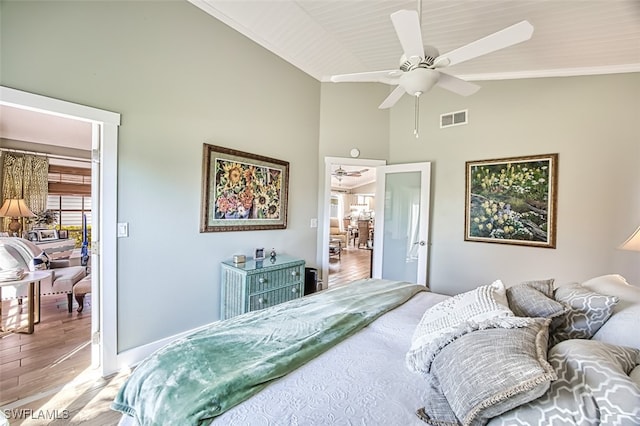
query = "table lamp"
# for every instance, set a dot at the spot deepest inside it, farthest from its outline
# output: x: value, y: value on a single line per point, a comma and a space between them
x: 633, y: 242
x: 15, y: 208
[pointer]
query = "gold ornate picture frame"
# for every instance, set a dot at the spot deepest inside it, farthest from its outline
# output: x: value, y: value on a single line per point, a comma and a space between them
x: 242, y: 191
x: 512, y: 200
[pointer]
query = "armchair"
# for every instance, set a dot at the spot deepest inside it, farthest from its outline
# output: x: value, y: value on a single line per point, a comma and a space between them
x: 335, y: 233
x: 20, y: 253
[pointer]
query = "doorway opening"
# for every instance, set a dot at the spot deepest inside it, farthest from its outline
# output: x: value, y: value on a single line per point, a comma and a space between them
x: 103, y: 159
x: 349, y: 201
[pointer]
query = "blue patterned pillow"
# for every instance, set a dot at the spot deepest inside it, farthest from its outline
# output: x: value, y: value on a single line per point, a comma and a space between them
x: 40, y: 262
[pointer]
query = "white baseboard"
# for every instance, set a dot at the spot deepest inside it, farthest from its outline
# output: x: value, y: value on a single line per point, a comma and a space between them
x: 131, y: 357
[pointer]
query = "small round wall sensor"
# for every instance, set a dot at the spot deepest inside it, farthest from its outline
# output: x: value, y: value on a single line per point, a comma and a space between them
x: 355, y: 152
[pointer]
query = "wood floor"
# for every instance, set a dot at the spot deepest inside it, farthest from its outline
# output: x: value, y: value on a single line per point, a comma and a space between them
x: 354, y: 264
x: 46, y: 378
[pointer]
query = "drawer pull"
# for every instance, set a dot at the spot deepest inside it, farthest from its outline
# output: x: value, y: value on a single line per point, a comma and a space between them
x: 262, y: 280
x: 294, y: 273
x: 262, y: 300
x: 294, y: 290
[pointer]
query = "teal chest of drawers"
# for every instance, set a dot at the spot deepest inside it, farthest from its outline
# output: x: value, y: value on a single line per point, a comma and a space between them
x: 255, y: 285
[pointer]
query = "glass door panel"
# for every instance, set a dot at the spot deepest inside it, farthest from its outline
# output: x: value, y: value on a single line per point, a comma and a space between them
x: 401, y: 223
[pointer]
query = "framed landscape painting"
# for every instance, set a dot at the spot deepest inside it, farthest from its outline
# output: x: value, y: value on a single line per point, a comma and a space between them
x: 242, y: 191
x: 512, y: 200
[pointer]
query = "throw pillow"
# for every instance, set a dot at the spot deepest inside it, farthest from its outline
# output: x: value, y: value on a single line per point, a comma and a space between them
x: 444, y: 319
x: 623, y: 325
x: 40, y: 262
x: 595, y: 386
x: 588, y: 311
x: 436, y: 411
x: 481, y: 379
x: 534, y: 299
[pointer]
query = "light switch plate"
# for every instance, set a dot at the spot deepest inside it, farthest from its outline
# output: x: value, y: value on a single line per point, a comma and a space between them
x: 123, y: 229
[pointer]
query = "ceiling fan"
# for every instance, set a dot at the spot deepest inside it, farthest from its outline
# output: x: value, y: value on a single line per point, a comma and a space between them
x: 339, y: 173
x: 420, y: 65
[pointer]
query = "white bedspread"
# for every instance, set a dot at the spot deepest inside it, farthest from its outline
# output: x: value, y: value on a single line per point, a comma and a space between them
x: 361, y: 381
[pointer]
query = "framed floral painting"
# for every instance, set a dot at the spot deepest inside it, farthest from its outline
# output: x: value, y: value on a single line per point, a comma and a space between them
x: 512, y: 200
x: 242, y: 191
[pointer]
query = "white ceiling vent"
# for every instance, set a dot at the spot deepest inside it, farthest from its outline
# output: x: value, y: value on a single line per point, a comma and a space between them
x: 457, y: 118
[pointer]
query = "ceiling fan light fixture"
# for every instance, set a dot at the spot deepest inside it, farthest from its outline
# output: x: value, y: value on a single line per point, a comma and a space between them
x: 419, y: 80
x: 419, y: 63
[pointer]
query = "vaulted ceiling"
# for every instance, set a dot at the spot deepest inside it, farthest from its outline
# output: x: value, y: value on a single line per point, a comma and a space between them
x: 328, y: 37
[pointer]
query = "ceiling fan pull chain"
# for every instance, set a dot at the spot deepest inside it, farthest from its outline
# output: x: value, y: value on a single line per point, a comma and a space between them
x: 416, y: 124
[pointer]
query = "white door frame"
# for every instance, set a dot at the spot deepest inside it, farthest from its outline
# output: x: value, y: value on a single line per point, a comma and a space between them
x: 104, y: 257
x: 325, y: 209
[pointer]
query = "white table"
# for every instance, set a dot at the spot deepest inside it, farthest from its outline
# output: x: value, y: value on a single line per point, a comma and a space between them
x: 32, y: 279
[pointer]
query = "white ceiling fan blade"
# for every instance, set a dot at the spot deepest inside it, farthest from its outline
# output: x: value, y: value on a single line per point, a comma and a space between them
x: 407, y: 27
x: 509, y: 36
x: 386, y: 77
x: 457, y: 85
x: 392, y: 98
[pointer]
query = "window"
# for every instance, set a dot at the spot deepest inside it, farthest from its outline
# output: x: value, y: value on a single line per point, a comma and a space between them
x: 65, y: 180
x: 70, y: 209
x: 70, y: 197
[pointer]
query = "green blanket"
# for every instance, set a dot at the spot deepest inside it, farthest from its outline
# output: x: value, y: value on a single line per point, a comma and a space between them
x: 196, y: 378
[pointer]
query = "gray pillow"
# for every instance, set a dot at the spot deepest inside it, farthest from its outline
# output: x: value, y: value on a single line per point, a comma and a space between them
x: 436, y: 411
x: 481, y: 379
x: 588, y: 311
x: 622, y: 328
x: 534, y: 299
x: 595, y: 386
x: 442, y: 321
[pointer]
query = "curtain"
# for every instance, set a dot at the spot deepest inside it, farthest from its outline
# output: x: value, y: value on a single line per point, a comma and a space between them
x: 25, y: 176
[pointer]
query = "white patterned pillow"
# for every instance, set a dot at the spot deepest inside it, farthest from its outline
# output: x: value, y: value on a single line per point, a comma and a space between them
x: 622, y: 327
x: 444, y: 319
x: 40, y: 262
x: 588, y: 311
x: 595, y: 386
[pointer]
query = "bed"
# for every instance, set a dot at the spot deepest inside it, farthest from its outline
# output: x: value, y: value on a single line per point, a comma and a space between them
x: 414, y: 362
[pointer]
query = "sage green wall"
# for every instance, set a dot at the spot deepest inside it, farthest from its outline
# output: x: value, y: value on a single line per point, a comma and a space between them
x: 179, y: 78
x: 350, y: 118
x: 593, y: 124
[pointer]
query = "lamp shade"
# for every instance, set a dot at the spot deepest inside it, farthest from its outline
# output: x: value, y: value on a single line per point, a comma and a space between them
x: 633, y: 242
x: 15, y: 207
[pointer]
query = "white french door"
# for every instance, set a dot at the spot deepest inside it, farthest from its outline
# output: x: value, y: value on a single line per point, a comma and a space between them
x: 401, y: 229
